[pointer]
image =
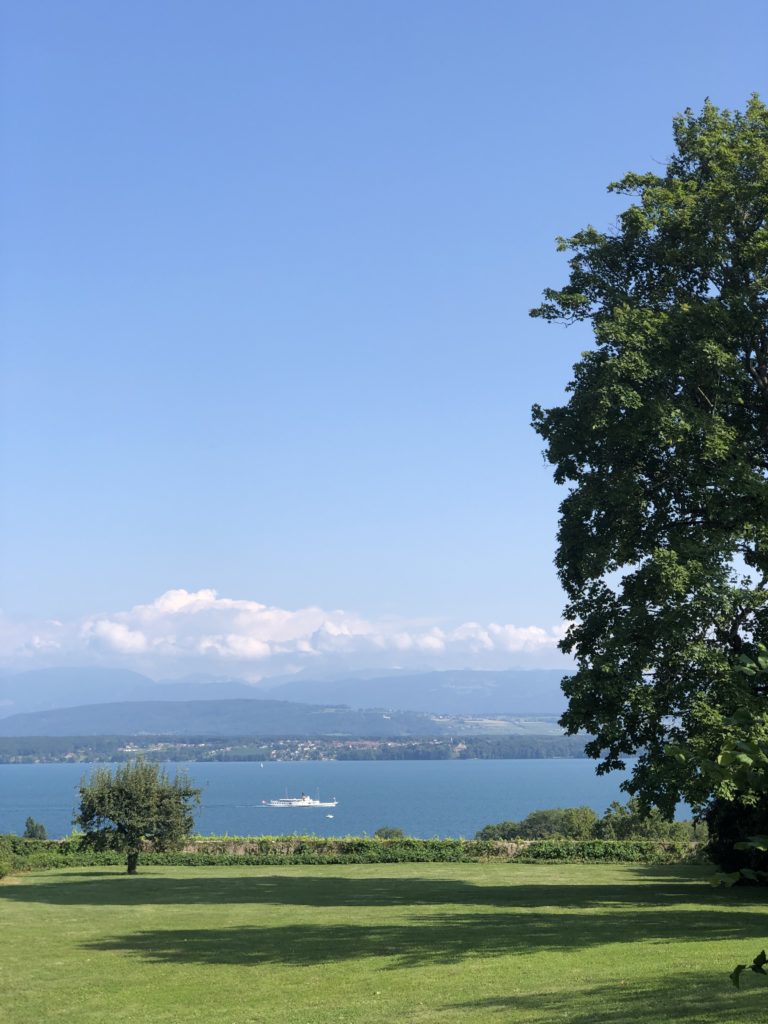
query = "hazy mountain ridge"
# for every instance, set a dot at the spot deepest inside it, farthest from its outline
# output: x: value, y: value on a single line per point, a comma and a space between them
x: 45, y: 688
x: 458, y: 692
x: 463, y: 692
x: 49, y: 688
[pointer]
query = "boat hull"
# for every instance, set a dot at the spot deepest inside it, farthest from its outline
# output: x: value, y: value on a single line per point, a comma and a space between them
x: 299, y: 802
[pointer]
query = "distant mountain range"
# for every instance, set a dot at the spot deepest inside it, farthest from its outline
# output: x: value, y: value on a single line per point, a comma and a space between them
x: 467, y: 692
x: 248, y: 718
x: 48, y: 688
x: 464, y: 692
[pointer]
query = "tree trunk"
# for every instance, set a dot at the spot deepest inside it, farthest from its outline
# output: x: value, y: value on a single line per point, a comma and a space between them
x: 133, y: 860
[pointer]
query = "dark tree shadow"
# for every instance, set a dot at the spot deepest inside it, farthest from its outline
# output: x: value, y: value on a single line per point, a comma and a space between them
x: 321, y: 889
x: 687, y: 999
x: 434, y: 939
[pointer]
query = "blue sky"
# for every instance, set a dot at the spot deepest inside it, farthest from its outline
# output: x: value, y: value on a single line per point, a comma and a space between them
x: 265, y: 278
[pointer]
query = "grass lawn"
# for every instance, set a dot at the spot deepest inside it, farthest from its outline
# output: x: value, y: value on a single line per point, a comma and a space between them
x: 378, y: 943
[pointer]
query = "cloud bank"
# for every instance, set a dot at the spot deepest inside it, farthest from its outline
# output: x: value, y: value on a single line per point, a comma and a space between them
x: 200, y: 631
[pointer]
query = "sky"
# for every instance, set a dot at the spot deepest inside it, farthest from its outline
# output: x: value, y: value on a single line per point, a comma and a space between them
x: 265, y: 273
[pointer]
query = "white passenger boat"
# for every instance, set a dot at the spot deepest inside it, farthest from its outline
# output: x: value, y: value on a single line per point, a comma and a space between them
x: 299, y: 801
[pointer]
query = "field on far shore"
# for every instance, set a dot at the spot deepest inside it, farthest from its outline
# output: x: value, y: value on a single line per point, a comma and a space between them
x: 378, y: 943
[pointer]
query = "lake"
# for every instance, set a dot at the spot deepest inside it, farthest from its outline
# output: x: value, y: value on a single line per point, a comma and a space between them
x: 424, y: 798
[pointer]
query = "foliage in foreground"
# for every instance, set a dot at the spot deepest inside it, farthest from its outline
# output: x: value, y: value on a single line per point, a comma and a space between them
x: 737, y: 817
x: 757, y: 967
x: 663, y: 444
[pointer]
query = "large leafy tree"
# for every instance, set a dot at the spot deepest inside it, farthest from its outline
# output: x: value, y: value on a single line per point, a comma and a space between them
x: 663, y: 445
x: 137, y: 804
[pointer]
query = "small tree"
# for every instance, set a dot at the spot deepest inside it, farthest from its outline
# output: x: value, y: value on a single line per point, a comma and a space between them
x: 34, y: 829
x: 389, y: 833
x: 579, y: 823
x: 138, y: 804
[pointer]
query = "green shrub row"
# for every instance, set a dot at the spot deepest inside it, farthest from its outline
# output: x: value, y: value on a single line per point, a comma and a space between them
x: 6, y: 856
x: 25, y: 854
x: 610, y: 851
x: 627, y: 821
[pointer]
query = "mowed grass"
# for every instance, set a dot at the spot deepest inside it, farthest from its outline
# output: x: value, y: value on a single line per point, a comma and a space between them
x: 378, y: 943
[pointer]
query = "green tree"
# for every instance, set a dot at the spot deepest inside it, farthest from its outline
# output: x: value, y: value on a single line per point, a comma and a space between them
x: 138, y: 804
x: 579, y: 823
x: 663, y: 445
x: 34, y: 829
x: 552, y: 823
x: 386, y: 832
x: 630, y: 821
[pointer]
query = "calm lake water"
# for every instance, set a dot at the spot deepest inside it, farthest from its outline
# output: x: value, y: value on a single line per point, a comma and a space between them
x: 424, y: 798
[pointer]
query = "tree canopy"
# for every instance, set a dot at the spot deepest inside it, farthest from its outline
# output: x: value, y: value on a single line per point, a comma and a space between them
x: 663, y: 445
x: 137, y: 804
x: 551, y: 823
x: 620, y: 821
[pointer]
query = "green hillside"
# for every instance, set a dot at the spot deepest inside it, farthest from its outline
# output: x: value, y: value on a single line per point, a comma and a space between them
x: 261, y: 718
x: 219, y: 718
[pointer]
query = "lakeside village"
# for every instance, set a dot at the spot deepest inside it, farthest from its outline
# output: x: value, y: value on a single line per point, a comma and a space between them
x: 83, y: 749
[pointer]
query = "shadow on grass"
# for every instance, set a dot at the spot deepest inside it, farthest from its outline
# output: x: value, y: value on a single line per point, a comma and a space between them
x: 645, y: 887
x: 436, y: 939
x: 452, y: 919
x: 687, y: 998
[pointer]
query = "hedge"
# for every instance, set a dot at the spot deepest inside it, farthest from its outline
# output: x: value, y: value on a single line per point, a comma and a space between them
x: 24, y: 854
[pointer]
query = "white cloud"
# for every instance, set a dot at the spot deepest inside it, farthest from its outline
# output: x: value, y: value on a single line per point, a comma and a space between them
x: 476, y: 637
x: 114, y: 636
x: 183, y: 631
